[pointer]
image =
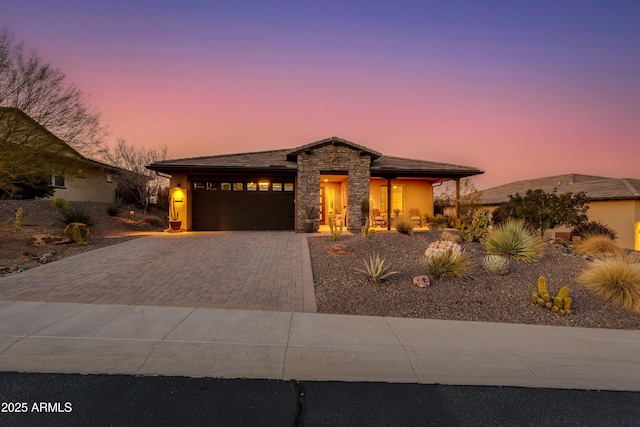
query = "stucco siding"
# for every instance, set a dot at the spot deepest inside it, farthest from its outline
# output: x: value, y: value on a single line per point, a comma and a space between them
x: 92, y: 188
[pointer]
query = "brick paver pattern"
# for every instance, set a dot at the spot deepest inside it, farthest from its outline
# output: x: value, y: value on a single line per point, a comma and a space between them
x: 247, y: 270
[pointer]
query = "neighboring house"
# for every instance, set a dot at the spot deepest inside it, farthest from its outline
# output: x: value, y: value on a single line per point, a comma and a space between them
x: 73, y: 176
x: 614, y: 201
x: 274, y: 190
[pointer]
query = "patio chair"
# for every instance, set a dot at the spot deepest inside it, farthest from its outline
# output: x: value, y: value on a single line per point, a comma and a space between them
x: 414, y: 215
x: 378, y: 218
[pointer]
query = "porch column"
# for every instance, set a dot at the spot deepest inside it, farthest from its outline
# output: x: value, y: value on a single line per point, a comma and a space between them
x: 389, y: 204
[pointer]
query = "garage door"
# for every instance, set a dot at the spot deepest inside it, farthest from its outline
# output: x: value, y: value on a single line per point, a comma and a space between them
x: 248, y: 205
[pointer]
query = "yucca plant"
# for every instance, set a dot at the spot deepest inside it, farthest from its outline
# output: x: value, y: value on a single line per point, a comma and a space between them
x: 375, y: 269
x: 496, y: 264
x: 615, y: 280
x: 448, y: 264
x: 514, y: 240
x: 599, y: 245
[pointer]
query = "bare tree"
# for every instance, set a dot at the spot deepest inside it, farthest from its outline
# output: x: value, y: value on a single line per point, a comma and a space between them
x: 136, y: 180
x: 445, y: 195
x: 35, y: 87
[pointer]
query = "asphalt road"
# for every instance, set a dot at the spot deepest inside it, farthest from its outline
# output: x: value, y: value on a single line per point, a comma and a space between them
x: 97, y: 400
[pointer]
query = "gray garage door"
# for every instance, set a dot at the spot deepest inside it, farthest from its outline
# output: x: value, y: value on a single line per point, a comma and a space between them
x: 242, y: 205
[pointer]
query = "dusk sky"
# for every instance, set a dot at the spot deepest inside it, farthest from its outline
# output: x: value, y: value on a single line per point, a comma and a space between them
x: 520, y: 89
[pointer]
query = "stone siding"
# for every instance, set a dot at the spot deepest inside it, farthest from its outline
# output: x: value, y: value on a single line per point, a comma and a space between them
x: 329, y: 159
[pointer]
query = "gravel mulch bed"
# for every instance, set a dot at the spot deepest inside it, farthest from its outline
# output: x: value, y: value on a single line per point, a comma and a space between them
x: 482, y: 297
x: 18, y: 252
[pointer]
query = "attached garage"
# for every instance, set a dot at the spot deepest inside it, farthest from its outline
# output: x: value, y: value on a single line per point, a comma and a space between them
x: 242, y: 205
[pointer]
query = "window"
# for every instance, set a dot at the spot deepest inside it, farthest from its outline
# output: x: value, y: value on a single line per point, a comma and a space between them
x: 264, y: 186
x: 238, y: 186
x: 276, y: 186
x: 58, y: 180
x: 198, y: 185
x: 252, y: 186
x: 225, y: 186
x: 212, y: 186
x: 397, y: 198
x: 288, y: 186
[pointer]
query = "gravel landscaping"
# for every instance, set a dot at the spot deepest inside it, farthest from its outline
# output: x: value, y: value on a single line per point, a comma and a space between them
x: 483, y: 297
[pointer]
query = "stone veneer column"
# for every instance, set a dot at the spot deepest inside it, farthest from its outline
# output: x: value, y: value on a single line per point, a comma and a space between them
x: 332, y: 159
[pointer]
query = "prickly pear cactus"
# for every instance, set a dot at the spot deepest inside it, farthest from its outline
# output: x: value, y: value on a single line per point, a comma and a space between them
x: 77, y: 231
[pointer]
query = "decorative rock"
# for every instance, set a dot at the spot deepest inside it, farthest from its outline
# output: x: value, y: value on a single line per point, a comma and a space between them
x: 451, y: 235
x: 48, y: 239
x: 439, y: 247
x: 45, y: 258
x: 422, y: 281
x: 338, y: 248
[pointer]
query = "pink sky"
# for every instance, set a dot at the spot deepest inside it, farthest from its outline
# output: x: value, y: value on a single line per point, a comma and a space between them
x: 520, y: 92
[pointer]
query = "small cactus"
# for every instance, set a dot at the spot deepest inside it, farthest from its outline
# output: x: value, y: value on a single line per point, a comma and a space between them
x: 542, y: 284
x: 77, y: 231
x: 18, y: 219
x: 563, y: 292
x: 496, y: 264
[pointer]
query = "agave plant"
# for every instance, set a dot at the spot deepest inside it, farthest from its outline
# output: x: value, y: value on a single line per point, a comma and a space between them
x: 496, y: 264
x: 375, y: 269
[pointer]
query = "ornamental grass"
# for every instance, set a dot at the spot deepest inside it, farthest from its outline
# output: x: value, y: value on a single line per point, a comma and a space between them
x: 615, y: 280
x: 449, y: 264
x: 599, y: 246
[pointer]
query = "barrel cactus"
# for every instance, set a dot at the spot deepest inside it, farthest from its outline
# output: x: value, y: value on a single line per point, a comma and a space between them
x: 496, y: 264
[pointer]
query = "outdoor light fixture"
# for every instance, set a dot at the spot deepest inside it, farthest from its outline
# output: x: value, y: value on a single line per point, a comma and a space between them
x: 178, y: 195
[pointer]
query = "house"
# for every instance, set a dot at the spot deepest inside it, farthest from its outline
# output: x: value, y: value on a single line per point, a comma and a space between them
x: 24, y: 143
x: 614, y: 201
x: 274, y: 190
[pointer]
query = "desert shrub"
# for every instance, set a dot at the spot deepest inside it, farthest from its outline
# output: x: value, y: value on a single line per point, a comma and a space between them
x: 615, y: 280
x: 404, y: 225
x: 496, y: 264
x: 60, y: 203
x: 375, y: 269
x: 153, y: 221
x: 69, y: 216
x: 448, y: 264
x: 119, y: 203
x: 599, y: 245
x: 476, y: 229
x: 336, y: 230
x: 514, y: 240
x: 593, y: 227
x: 112, y: 210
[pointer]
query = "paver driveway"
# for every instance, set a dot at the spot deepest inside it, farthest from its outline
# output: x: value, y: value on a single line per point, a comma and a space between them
x: 261, y: 270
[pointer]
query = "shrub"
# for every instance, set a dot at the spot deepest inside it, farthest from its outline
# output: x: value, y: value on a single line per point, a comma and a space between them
x: 153, y: 221
x: 591, y: 228
x: 496, y: 264
x: 60, y: 203
x: 75, y: 215
x: 375, y: 269
x: 615, y: 280
x: 599, y: 245
x: 112, y: 210
x: 404, y: 225
x: 477, y: 229
x: 514, y: 240
x: 448, y: 264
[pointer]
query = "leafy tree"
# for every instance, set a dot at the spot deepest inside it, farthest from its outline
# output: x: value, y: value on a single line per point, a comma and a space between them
x: 544, y: 211
x: 136, y: 181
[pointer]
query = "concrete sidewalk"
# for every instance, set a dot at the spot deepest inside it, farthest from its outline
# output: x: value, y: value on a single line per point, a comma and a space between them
x: 205, y: 342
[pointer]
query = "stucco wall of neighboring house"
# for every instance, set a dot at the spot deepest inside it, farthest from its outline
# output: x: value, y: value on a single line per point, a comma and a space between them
x: 92, y: 187
x: 418, y: 194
